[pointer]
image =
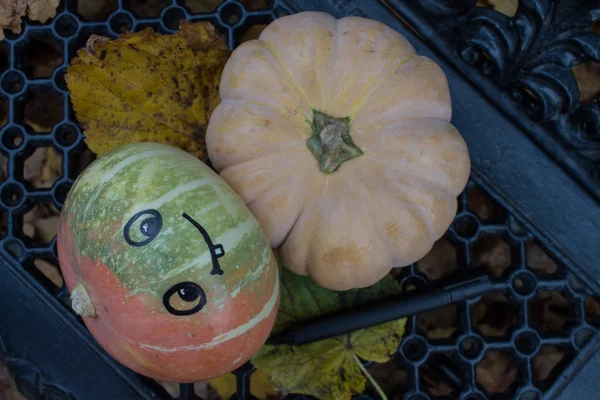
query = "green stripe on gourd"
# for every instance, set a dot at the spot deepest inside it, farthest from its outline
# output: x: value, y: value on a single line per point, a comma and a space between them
x: 127, y: 181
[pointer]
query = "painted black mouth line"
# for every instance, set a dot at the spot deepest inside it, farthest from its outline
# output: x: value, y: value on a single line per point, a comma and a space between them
x: 216, y: 250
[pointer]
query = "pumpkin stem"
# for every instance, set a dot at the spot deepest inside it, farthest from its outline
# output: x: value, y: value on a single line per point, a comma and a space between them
x: 331, y: 142
x: 81, y: 301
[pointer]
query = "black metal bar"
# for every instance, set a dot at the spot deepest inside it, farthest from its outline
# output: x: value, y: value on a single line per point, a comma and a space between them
x: 355, y: 318
x: 186, y: 392
x: 50, y: 353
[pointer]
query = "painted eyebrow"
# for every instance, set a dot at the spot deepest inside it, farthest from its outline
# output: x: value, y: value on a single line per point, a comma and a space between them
x: 216, y: 250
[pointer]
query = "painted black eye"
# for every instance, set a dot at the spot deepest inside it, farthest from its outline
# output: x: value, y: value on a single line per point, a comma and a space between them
x: 142, y: 228
x: 184, y: 298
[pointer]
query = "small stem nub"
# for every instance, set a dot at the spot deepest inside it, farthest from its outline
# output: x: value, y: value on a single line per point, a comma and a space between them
x: 331, y: 143
x: 81, y: 302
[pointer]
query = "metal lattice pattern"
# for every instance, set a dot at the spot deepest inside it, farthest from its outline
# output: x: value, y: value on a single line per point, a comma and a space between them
x: 35, y: 112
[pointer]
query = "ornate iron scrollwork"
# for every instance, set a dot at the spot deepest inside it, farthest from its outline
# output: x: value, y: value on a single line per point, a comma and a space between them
x: 531, y: 56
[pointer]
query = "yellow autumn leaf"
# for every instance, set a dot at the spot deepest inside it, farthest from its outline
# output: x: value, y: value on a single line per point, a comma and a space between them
x: 260, y: 385
x: 148, y: 87
x: 327, y: 369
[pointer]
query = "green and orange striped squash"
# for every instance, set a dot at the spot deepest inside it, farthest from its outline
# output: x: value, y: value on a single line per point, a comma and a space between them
x: 170, y: 271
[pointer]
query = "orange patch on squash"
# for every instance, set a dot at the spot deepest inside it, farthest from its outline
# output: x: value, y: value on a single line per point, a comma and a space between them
x: 349, y: 254
x: 392, y: 231
x: 139, y: 333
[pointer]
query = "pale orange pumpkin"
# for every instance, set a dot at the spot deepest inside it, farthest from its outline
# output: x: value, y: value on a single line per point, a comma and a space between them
x: 337, y: 135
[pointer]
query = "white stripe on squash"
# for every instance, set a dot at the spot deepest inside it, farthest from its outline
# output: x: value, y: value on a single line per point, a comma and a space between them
x: 110, y: 174
x: 253, y: 274
x: 229, y: 240
x: 232, y: 334
x: 174, y: 193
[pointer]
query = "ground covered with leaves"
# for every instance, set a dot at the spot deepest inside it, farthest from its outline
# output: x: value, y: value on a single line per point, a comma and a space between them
x: 182, y: 123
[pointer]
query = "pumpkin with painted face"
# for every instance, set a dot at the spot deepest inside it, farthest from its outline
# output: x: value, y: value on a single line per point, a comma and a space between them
x: 170, y: 271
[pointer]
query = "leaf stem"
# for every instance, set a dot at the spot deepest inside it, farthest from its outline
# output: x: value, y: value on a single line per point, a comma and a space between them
x: 370, y: 378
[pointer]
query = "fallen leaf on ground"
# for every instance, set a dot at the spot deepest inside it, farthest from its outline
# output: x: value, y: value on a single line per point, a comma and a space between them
x: 506, y: 7
x: 485, y: 207
x: 497, y: 371
x: 255, y: 4
x: 32, y: 166
x: 50, y: 270
x: 149, y: 87
x: 3, y: 110
x: 550, y: 311
x: 260, y: 385
x: 440, y: 261
x: 588, y: 80
x: 440, y: 323
x: 253, y: 33
x: 201, y: 6
x: 44, y: 55
x: 46, y: 228
x: 3, y: 167
x: 327, y: 369
x: 435, y: 383
x: 545, y: 361
x: 8, y: 389
x: 50, y: 170
x: 96, y: 10
x: 391, y: 376
x: 492, y: 253
x: 43, y: 110
x: 538, y: 260
x: 11, y: 12
x: 592, y: 310
x: 494, y: 315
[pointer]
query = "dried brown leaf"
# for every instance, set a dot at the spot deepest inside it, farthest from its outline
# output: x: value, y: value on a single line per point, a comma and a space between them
x: 440, y: 261
x: 492, y: 253
x: 199, y: 6
x: 50, y: 170
x: 42, y: 58
x: 494, y: 315
x: 29, y: 230
x: 33, y: 164
x: 483, y: 205
x: 95, y: 10
x: 3, y: 168
x: 253, y: 32
x: 3, y: 110
x: 255, y: 4
x: 439, y: 323
x: 41, y: 10
x: 506, y: 7
x: 550, y: 311
x: 592, y: 309
x: 390, y: 376
x: 497, y: 371
x: 11, y: 12
x: 44, y: 111
x: 435, y: 383
x: 8, y: 389
x: 545, y: 361
x: 50, y: 270
x: 46, y: 228
x: 588, y: 80
x: 538, y: 260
